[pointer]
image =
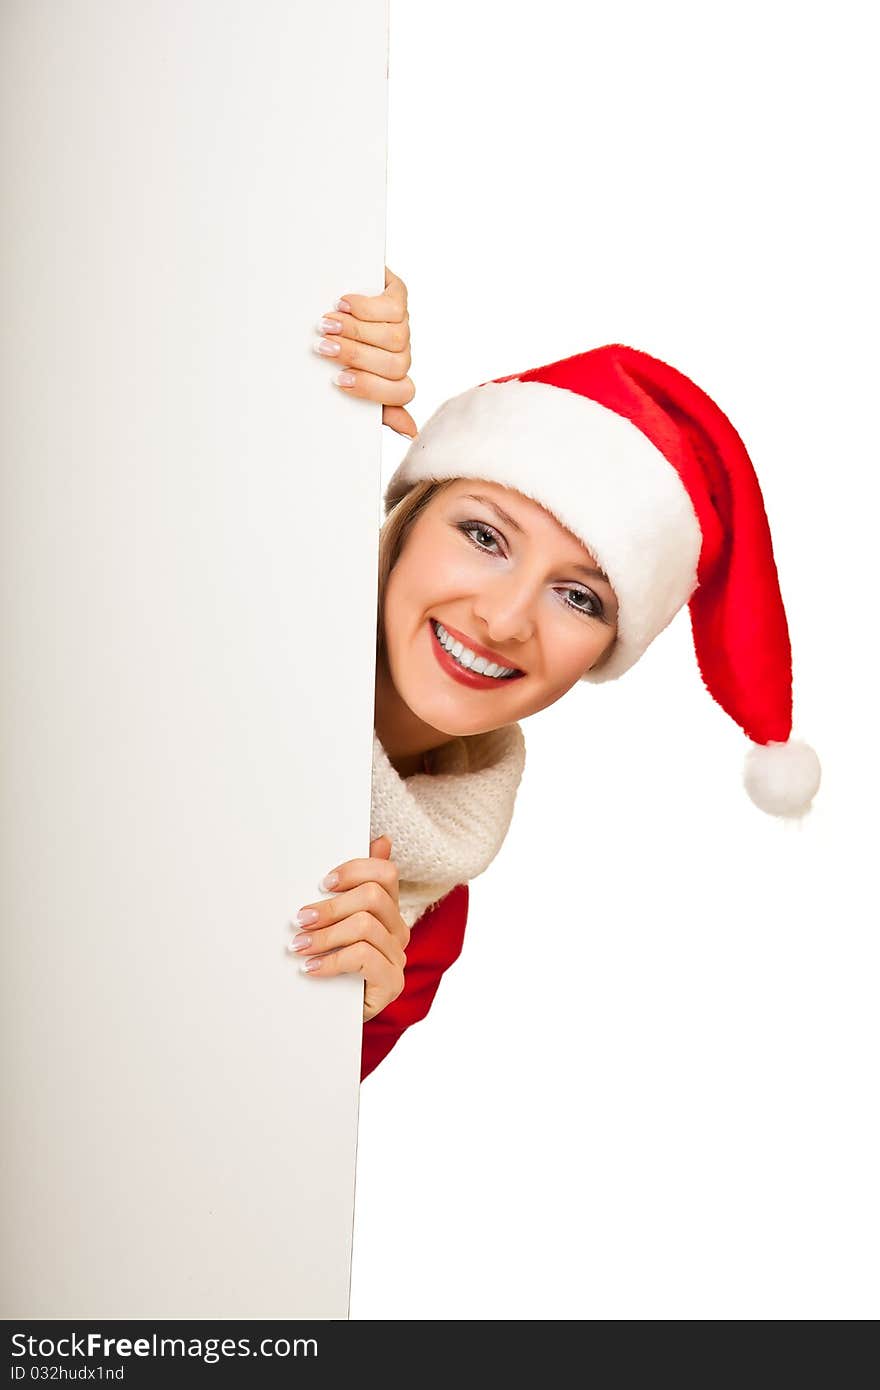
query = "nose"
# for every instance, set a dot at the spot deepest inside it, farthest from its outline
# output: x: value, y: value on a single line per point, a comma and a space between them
x: 506, y: 609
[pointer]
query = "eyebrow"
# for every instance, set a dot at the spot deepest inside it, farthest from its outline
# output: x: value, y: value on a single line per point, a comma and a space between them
x: 499, y: 511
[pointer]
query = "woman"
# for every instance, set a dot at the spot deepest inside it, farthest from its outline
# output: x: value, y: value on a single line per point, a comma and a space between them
x: 541, y: 530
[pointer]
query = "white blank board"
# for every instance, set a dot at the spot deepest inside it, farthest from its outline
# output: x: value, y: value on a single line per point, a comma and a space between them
x: 188, y: 549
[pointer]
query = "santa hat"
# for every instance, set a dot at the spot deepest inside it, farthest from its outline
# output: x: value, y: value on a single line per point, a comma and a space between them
x: 644, y: 468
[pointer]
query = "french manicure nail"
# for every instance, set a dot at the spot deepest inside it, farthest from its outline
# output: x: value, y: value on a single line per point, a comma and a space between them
x: 299, y: 942
x: 311, y: 964
x: 328, y: 882
x: 343, y: 305
x: 327, y: 347
x: 329, y: 326
x: 306, y: 916
x: 344, y: 379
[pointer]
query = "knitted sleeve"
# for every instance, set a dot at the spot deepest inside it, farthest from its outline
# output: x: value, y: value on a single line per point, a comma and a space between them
x: 436, y: 939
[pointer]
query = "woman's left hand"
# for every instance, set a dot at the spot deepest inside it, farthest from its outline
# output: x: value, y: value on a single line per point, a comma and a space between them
x: 370, y: 343
x: 360, y: 930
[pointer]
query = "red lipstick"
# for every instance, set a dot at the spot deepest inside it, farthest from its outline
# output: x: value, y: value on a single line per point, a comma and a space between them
x: 460, y: 673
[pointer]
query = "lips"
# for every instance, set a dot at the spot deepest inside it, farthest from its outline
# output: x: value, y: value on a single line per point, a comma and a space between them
x: 461, y: 673
x: 477, y: 650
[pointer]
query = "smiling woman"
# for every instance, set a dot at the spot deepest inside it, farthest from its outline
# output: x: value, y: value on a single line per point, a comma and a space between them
x: 540, y: 532
x: 514, y: 602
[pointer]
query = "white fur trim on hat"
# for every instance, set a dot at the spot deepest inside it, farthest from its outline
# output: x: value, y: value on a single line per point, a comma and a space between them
x: 595, y: 471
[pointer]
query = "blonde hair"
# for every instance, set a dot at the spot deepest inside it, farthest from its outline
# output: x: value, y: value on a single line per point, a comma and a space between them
x: 392, y: 538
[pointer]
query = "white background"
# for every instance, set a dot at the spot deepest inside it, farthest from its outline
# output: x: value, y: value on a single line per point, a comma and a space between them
x: 648, y: 1087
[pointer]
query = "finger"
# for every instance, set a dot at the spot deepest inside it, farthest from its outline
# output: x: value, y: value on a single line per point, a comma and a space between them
x: 383, y: 981
x: 370, y: 896
x: 360, y: 926
x: 394, y: 337
x: 377, y: 388
x: 389, y: 306
x: 378, y: 868
x: 395, y: 286
x: 393, y: 366
x: 399, y: 420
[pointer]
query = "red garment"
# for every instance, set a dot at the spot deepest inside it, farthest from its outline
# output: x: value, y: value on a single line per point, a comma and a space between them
x: 436, y: 939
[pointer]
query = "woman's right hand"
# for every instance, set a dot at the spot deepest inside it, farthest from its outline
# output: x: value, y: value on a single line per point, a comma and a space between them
x: 372, y: 338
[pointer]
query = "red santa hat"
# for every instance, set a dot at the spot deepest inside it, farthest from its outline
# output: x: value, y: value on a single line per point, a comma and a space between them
x: 644, y: 468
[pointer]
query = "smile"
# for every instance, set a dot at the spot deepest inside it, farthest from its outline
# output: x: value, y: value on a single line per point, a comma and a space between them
x: 464, y: 667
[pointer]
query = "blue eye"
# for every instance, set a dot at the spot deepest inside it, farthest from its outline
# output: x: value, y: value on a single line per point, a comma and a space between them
x: 596, y: 611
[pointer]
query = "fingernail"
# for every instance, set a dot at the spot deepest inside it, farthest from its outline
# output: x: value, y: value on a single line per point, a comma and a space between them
x: 329, y: 326
x: 344, y: 379
x: 312, y: 964
x: 327, y: 347
x: 299, y: 942
x: 344, y: 305
x: 328, y: 882
x: 305, y: 917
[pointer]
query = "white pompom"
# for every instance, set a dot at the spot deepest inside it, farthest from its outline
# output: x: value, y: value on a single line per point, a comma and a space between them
x: 782, y: 778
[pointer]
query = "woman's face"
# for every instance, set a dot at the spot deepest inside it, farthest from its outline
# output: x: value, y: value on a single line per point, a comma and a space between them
x: 512, y: 581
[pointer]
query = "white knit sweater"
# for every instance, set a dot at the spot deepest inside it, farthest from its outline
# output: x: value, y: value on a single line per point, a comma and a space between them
x: 447, y: 826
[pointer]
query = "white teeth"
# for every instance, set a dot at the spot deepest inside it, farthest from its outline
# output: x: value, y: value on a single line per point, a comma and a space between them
x: 465, y: 657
